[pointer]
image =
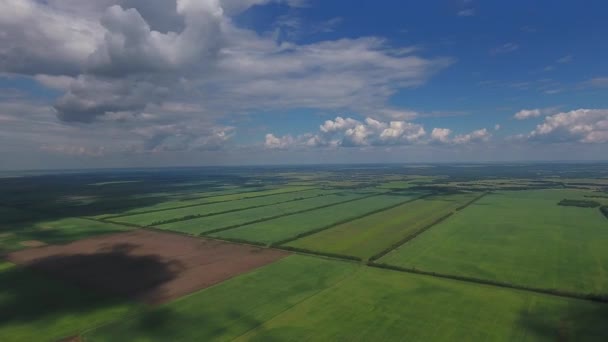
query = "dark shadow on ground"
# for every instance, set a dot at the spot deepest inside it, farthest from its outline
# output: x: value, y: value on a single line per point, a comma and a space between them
x: 577, y: 322
x: 113, y: 271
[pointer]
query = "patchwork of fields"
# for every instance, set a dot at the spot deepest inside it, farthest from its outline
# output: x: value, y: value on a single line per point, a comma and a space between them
x: 304, y: 298
x: 370, y: 235
x: 521, y: 238
x: 289, y: 227
x: 322, y: 255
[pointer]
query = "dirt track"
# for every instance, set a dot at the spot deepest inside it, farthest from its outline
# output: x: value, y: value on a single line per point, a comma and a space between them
x: 154, y: 267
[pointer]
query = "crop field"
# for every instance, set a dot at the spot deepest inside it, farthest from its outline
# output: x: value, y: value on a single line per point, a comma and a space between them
x: 209, y: 198
x: 228, y: 310
x: 463, y: 252
x: 305, y: 298
x: 370, y: 235
x: 522, y: 238
x: 233, y: 219
x: 152, y: 267
x: 287, y: 227
x: 34, y: 307
x: 33, y: 234
x: 207, y: 209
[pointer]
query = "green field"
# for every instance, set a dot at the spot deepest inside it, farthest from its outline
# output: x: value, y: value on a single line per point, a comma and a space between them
x: 290, y: 226
x: 232, y: 308
x: 158, y: 217
x: 211, y: 197
x: 205, y: 224
x: 372, y: 234
x: 16, y: 236
x: 521, y: 238
x: 37, y: 308
x: 311, y: 299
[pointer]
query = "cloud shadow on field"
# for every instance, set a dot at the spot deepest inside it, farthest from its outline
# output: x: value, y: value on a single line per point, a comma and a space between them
x: 579, y: 321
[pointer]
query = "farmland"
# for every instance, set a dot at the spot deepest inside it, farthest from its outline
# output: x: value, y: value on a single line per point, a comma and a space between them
x: 207, y: 209
x: 27, y: 234
x: 287, y: 227
x: 314, y: 299
x: 523, y: 238
x: 34, y: 307
x: 363, y: 253
x: 367, y: 236
x: 223, y: 221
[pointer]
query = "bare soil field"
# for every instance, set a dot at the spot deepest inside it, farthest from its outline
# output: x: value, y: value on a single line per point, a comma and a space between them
x: 153, y: 267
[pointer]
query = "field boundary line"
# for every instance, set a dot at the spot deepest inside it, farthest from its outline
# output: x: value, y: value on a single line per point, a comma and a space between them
x: 206, y: 203
x: 350, y: 275
x: 318, y: 230
x: 194, y: 217
x: 213, y: 231
x: 472, y: 280
x: 415, y: 234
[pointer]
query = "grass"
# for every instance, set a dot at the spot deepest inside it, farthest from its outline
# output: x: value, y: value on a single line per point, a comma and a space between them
x: 210, y: 197
x: 216, y: 208
x: 371, y: 234
x: 521, y: 238
x: 303, y: 298
x: 379, y: 305
x: 36, y: 308
x: 233, y: 307
x: 290, y: 226
x: 209, y: 223
x: 15, y: 236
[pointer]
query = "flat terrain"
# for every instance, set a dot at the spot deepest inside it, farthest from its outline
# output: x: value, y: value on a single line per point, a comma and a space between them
x: 358, y: 253
x: 311, y: 299
x: 520, y: 237
x: 290, y: 226
x: 149, y: 266
x: 34, y: 307
x: 243, y: 217
x: 372, y: 234
x: 30, y: 234
x: 212, y: 197
x: 207, y: 209
x: 232, y: 308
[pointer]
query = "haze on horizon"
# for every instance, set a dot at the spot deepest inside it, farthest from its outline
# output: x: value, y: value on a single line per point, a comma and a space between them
x: 137, y: 83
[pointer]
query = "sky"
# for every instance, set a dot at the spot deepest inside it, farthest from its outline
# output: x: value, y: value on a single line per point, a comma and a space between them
x: 138, y: 83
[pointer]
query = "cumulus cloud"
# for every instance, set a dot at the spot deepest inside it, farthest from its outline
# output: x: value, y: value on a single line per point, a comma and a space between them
x: 527, y: 114
x: 349, y: 132
x: 441, y: 135
x: 195, y: 48
x: 117, y: 62
x: 581, y: 125
x: 275, y: 142
x: 475, y: 136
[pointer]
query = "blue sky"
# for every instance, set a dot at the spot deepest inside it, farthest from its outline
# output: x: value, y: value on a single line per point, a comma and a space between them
x: 120, y: 83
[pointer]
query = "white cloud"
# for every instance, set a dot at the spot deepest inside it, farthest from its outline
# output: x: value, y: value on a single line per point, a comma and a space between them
x: 527, y: 113
x: 581, y: 125
x: 275, y: 142
x: 160, y: 75
x: 348, y: 132
x: 441, y: 135
x: 475, y: 136
x: 497, y: 127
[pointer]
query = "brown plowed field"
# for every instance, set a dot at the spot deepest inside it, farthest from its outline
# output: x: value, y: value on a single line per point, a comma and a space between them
x: 154, y: 267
